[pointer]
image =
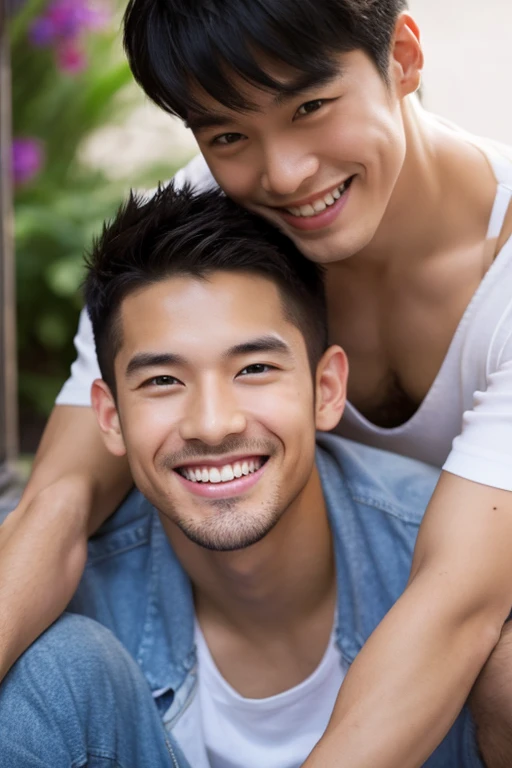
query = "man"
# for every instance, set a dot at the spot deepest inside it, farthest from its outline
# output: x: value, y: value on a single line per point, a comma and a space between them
x: 245, y: 600
x: 305, y: 114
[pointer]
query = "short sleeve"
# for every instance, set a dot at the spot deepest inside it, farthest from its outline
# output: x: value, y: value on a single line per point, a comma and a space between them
x: 483, y: 450
x: 77, y: 389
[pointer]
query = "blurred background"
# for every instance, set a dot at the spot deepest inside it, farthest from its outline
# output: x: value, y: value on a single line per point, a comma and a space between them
x: 83, y: 134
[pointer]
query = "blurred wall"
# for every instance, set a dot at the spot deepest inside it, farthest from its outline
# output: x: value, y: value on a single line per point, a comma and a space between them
x: 468, y: 62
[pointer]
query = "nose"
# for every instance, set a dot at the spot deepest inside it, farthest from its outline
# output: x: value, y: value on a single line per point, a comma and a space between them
x: 286, y: 167
x: 212, y: 415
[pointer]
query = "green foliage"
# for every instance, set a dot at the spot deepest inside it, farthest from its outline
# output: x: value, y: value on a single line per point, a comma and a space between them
x: 59, y: 211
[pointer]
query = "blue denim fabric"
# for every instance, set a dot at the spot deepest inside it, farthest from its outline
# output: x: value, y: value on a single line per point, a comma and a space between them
x: 76, y: 695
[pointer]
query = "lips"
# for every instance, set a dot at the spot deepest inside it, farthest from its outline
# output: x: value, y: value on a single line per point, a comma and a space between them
x: 317, y: 220
x: 224, y: 474
x: 321, y: 203
x: 191, y: 477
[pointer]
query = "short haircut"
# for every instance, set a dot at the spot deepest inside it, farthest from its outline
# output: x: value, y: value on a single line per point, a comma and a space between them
x: 174, y: 45
x: 178, y: 232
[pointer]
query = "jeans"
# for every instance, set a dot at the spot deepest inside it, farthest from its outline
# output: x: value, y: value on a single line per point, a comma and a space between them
x: 77, y: 698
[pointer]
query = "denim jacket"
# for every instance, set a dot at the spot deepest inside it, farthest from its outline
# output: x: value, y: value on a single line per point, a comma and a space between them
x: 134, y: 584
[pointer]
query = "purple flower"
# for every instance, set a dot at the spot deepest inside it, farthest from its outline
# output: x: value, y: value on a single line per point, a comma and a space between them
x: 71, y: 58
x: 27, y: 160
x: 42, y: 32
x: 67, y: 20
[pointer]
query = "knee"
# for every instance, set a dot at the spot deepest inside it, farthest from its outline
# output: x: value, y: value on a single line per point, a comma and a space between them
x: 73, y: 647
x: 491, y: 704
x: 62, y: 698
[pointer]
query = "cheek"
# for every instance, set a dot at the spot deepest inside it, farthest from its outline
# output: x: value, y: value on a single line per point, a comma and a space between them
x: 372, y: 145
x: 148, y: 428
x: 288, y: 414
x: 236, y: 176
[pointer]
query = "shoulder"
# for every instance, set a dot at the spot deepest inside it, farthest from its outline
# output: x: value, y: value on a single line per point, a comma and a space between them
x: 118, y: 564
x: 395, y: 485
x: 128, y: 528
x: 499, y: 156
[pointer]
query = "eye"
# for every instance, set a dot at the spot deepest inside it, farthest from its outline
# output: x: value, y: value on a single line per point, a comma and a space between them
x: 255, y: 369
x: 310, y: 106
x: 227, y: 138
x: 161, y: 381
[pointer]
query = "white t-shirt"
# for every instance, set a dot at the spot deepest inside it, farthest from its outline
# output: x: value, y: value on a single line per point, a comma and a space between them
x: 276, y: 732
x: 465, y: 422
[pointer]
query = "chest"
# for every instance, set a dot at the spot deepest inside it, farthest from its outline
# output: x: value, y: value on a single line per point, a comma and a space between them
x: 397, y: 327
x: 276, y: 732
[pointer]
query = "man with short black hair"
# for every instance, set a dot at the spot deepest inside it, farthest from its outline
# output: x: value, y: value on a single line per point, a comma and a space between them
x: 273, y: 555
x: 305, y: 114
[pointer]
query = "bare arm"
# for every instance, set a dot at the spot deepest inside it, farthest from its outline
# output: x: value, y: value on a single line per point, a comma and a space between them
x: 75, y: 485
x: 411, y: 679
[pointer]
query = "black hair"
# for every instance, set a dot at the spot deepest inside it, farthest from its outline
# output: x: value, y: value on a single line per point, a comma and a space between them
x: 178, y: 232
x: 175, y: 45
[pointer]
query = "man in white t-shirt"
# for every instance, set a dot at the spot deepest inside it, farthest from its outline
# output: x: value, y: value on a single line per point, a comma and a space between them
x: 304, y: 113
x: 275, y: 550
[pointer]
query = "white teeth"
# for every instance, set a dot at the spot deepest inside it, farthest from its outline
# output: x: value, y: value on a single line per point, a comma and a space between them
x: 214, y: 475
x: 319, y: 205
x: 227, y: 474
x: 223, y: 474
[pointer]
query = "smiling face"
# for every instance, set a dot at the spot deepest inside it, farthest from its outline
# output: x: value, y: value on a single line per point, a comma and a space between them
x: 216, y: 404
x: 321, y: 164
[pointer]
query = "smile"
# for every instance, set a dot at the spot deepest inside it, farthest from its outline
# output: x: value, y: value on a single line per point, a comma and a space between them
x: 320, y: 204
x: 224, y: 474
x: 222, y: 481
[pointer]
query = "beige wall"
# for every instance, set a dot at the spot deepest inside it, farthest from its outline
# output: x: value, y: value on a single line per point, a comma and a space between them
x: 468, y: 62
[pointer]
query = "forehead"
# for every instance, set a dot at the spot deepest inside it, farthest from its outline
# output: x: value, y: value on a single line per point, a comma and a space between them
x: 203, y: 317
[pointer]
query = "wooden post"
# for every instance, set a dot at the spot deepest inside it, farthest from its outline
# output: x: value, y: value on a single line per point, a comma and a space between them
x: 8, y: 398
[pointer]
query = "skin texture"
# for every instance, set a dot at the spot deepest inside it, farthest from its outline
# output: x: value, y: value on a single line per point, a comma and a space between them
x: 392, y: 279
x: 276, y: 591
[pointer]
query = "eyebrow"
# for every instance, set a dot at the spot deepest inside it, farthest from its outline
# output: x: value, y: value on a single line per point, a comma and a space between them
x: 151, y: 360
x: 208, y: 119
x: 304, y: 84
x: 260, y: 344
x: 143, y: 360
x: 201, y: 121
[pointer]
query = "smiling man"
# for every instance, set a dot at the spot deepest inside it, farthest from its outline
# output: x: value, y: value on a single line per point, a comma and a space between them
x: 305, y: 114
x: 273, y: 554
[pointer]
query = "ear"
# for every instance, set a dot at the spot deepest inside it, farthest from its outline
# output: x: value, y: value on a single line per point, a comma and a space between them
x: 104, y: 407
x: 406, y: 56
x: 331, y: 388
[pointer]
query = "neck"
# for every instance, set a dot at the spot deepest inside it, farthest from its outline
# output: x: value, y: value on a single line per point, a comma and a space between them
x: 274, y: 585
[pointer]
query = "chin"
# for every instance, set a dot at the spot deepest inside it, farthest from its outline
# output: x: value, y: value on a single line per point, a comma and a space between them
x: 230, y: 526
x: 328, y: 250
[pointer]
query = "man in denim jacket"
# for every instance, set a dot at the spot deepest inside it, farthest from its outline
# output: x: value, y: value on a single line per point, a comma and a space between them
x: 224, y: 602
